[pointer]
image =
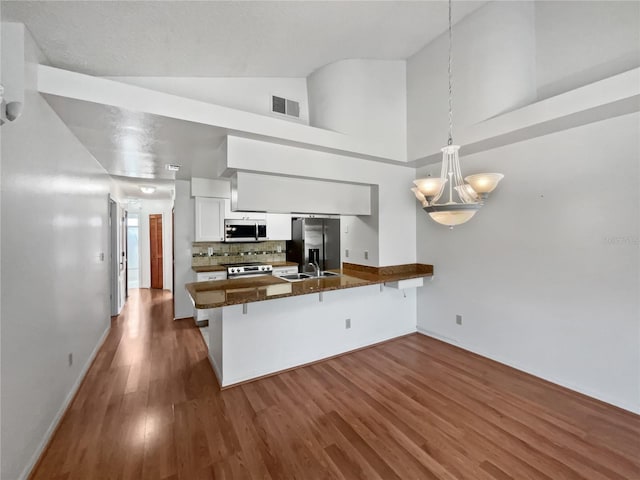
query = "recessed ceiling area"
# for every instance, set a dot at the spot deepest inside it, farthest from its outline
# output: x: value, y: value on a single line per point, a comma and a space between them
x: 140, y: 145
x: 227, y: 38
x: 131, y: 188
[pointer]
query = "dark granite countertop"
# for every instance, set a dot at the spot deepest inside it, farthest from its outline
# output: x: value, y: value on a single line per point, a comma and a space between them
x: 221, y: 293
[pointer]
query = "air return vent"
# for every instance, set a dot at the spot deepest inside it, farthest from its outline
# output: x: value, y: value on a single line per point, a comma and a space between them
x: 284, y: 106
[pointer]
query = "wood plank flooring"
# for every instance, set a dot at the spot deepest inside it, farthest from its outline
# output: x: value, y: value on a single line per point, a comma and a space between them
x: 412, y: 408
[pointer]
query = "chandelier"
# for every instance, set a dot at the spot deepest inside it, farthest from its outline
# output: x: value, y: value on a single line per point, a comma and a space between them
x: 448, y: 199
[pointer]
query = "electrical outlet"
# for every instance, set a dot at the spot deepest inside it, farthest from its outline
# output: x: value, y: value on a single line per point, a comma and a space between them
x: 346, y: 253
x: 366, y: 254
x: 347, y: 323
x: 459, y: 319
x: 70, y: 359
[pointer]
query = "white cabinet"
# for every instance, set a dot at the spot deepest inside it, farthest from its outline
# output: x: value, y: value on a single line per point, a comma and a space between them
x: 209, y: 276
x: 273, y: 193
x: 240, y: 215
x: 209, y: 220
x: 279, y: 271
x: 202, y: 315
x: 278, y: 226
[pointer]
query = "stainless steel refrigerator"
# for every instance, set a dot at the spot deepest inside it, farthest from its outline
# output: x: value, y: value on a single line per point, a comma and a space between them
x: 315, y: 239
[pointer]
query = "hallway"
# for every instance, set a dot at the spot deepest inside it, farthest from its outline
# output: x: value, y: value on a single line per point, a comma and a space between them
x: 412, y: 408
x: 150, y: 372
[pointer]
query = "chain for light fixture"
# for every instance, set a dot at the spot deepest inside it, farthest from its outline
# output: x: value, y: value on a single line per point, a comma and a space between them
x: 469, y: 196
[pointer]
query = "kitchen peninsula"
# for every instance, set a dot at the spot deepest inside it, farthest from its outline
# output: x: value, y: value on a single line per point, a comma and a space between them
x: 304, y: 321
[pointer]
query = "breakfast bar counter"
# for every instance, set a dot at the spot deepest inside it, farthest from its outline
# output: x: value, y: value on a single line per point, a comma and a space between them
x: 304, y: 320
x: 223, y: 293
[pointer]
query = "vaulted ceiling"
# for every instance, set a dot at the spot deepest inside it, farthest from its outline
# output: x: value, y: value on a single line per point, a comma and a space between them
x: 227, y: 38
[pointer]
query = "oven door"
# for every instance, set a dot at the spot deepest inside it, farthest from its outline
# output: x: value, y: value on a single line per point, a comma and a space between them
x: 244, y: 230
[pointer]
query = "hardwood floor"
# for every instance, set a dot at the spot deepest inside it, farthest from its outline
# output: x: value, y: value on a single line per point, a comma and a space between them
x: 413, y: 408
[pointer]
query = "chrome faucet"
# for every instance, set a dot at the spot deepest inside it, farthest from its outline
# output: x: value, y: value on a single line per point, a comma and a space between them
x: 316, y: 268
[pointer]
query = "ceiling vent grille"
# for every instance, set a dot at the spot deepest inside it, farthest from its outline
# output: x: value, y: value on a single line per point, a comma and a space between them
x: 284, y: 106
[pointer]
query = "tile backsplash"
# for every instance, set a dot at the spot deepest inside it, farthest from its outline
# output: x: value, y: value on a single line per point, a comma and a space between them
x: 217, y: 253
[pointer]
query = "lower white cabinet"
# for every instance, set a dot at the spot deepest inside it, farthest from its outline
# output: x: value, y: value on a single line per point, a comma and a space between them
x: 279, y: 271
x: 202, y: 315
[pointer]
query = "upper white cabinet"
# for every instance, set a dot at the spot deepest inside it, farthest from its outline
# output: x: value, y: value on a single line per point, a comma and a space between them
x: 209, y: 220
x: 228, y: 213
x: 211, y: 212
x: 274, y: 193
x: 278, y: 226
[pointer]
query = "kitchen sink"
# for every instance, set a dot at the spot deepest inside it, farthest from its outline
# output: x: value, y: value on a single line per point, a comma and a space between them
x: 294, y: 277
x: 328, y: 274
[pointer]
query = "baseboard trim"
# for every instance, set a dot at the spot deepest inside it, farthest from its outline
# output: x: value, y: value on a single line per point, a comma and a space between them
x: 313, y: 362
x: 34, y: 462
x: 216, y: 370
x: 556, y: 381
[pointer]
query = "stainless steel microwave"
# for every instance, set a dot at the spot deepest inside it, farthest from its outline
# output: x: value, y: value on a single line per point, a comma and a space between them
x: 245, y: 230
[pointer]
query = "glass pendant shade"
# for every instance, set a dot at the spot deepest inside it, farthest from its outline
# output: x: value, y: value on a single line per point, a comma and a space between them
x: 451, y: 219
x: 430, y: 186
x: 452, y: 214
x: 421, y: 198
x: 468, y: 189
x: 484, y: 182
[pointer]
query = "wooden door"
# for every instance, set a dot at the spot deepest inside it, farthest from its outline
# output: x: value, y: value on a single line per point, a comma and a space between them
x: 155, y: 237
x: 173, y: 260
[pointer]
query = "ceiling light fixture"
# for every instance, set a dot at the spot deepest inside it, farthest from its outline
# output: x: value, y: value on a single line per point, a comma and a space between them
x: 464, y: 199
x: 147, y: 189
x: 172, y: 167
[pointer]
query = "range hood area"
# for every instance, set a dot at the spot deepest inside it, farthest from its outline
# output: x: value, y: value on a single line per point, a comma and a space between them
x: 271, y: 193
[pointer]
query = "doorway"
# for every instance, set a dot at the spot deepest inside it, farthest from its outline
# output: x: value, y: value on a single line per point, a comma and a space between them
x: 155, y: 241
x: 133, y: 264
x: 114, y: 255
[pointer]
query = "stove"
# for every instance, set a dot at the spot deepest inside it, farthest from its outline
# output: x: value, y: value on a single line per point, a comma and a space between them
x: 248, y: 269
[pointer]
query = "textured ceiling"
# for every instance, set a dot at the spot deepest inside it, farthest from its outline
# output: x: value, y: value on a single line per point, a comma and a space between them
x: 139, y: 145
x: 226, y: 38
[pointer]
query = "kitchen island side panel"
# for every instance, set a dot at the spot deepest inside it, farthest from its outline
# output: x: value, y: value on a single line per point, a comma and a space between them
x: 283, y: 333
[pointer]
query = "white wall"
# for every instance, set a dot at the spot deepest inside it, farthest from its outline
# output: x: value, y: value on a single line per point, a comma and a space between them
x: 151, y: 207
x: 184, y: 236
x: 248, y: 94
x: 395, y: 236
x: 581, y: 42
x: 55, y: 287
x: 366, y: 99
x: 493, y: 72
x: 359, y: 234
x: 282, y: 333
x: 546, y: 274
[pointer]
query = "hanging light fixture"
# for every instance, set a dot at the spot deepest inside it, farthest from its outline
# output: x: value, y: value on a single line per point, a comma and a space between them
x: 463, y: 200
